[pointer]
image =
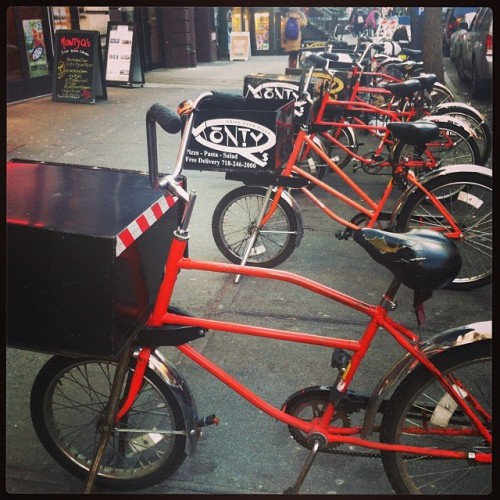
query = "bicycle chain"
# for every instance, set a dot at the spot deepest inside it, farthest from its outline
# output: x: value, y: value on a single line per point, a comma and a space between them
x: 361, y: 454
x: 365, y: 454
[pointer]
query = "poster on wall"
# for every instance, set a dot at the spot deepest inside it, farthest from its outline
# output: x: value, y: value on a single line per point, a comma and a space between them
x: 123, y: 61
x: 35, y: 48
x: 78, y: 73
x: 262, y: 30
x: 239, y: 45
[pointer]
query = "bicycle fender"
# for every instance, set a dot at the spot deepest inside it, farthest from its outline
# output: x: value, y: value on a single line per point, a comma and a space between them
x: 182, y: 393
x: 432, y: 174
x: 298, y: 215
x: 449, y: 339
x: 350, y: 131
x: 450, y: 107
x: 445, y: 89
x: 437, y: 119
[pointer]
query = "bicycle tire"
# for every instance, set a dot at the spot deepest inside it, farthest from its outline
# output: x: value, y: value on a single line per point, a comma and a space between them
x: 415, y: 401
x: 468, y: 198
x: 233, y: 223
x: 465, y: 149
x: 476, y: 122
x: 348, y: 140
x: 313, y: 164
x: 440, y: 93
x: 68, y: 398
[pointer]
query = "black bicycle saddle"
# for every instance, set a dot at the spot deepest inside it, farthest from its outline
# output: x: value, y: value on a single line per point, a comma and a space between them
x: 422, y: 259
x: 404, y: 89
x: 417, y: 133
x: 427, y: 81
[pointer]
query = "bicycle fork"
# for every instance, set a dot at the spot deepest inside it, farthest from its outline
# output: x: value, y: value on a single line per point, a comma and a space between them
x: 263, y: 217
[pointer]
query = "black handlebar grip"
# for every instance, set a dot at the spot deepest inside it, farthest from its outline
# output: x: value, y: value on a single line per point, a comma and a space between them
x: 318, y: 61
x: 330, y: 56
x: 167, y: 119
x: 224, y: 100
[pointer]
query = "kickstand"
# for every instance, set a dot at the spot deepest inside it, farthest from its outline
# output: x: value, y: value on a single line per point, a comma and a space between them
x: 294, y: 490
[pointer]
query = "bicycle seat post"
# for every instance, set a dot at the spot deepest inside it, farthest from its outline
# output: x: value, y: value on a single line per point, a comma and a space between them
x: 183, y: 229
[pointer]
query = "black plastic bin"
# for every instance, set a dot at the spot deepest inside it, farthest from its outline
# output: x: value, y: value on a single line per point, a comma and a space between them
x: 257, y: 138
x: 86, y: 251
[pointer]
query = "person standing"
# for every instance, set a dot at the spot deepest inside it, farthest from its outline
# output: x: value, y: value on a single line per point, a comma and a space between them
x: 360, y: 22
x: 371, y: 22
x: 291, y: 34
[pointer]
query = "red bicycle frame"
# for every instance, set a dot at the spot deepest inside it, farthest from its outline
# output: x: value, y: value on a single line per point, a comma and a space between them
x: 374, y: 208
x: 357, y: 104
x: 378, y: 319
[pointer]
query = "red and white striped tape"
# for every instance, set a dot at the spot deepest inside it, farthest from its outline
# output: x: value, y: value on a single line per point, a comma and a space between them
x: 143, y: 222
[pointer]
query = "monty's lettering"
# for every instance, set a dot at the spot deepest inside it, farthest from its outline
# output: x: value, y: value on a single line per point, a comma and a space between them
x: 75, y: 43
x: 274, y: 90
x: 234, y: 136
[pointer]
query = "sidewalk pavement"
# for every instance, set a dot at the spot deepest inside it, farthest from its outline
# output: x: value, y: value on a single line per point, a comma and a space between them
x: 248, y: 453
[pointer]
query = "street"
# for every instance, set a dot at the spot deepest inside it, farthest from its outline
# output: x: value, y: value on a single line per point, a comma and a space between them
x: 248, y: 453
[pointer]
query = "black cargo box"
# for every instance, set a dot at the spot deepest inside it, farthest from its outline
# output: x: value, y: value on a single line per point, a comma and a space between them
x: 276, y: 86
x: 257, y: 138
x: 86, y: 250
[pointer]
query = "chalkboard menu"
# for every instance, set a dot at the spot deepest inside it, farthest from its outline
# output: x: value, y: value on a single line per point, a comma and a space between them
x: 78, y: 73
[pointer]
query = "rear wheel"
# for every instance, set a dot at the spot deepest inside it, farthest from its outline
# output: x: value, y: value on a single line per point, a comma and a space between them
x: 468, y: 197
x: 417, y: 415
x: 440, y: 93
x: 476, y: 122
x: 454, y: 146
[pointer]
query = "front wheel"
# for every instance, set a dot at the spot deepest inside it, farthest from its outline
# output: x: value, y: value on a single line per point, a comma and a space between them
x: 68, y: 403
x: 235, y: 222
x: 468, y: 197
x: 421, y: 413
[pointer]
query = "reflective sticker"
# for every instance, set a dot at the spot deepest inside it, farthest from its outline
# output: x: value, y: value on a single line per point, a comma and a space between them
x: 470, y: 199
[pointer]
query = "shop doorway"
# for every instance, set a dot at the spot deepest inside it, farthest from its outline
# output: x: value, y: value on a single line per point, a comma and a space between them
x: 149, y: 19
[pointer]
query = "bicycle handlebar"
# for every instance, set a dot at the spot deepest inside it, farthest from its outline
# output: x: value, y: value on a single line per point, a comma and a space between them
x: 171, y: 123
x: 167, y: 119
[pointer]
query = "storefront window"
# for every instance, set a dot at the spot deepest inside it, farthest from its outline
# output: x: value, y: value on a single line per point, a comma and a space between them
x: 236, y: 24
x: 61, y: 18
x: 262, y: 30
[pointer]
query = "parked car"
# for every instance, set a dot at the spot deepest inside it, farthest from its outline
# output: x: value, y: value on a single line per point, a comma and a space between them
x: 474, y: 53
x: 451, y: 19
x: 457, y: 35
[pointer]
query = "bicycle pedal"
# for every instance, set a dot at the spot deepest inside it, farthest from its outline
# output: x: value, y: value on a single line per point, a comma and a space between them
x: 342, y: 234
x: 340, y: 359
x: 210, y: 420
